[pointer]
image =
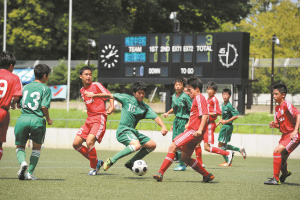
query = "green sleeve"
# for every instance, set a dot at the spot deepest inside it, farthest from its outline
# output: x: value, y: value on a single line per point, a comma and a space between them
x: 120, y: 97
x: 46, y: 98
x: 188, y: 102
x: 233, y: 111
x: 150, y: 114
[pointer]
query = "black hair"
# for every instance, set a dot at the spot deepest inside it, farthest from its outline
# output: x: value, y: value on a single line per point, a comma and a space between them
x: 195, y: 82
x: 85, y: 68
x: 180, y: 80
x: 7, y: 59
x: 226, y: 90
x: 212, y: 85
x: 281, y: 87
x: 139, y: 85
x: 40, y: 70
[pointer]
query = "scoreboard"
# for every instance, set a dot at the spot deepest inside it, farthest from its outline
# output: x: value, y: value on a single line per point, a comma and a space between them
x: 159, y: 58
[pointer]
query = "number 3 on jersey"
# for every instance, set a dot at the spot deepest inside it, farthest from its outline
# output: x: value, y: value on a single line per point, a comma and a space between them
x: 36, y: 96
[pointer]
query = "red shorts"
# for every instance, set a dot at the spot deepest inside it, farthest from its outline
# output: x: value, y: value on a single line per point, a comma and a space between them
x: 187, y: 142
x: 4, y: 122
x: 290, y: 145
x: 209, y: 134
x: 95, y: 125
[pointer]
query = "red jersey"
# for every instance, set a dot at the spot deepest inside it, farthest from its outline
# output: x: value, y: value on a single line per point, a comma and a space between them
x: 94, y: 105
x: 213, y: 107
x: 286, y: 115
x: 10, y: 85
x: 199, y: 108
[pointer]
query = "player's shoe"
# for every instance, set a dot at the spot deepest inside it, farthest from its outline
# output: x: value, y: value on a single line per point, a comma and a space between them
x: 208, y: 178
x: 29, y: 176
x: 225, y: 164
x: 107, y: 164
x: 180, y: 168
x: 243, y: 152
x: 283, y: 177
x: 203, y: 165
x: 93, y: 172
x: 21, y: 172
x: 99, y: 165
x: 128, y: 165
x: 158, y: 177
x: 272, y: 181
x: 230, y: 157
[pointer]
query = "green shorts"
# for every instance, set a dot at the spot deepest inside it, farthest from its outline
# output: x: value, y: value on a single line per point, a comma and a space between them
x: 30, y: 127
x: 225, y: 133
x: 126, y: 134
x: 179, y: 126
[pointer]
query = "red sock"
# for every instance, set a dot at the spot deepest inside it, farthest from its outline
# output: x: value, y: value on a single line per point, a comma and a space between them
x: 93, y: 157
x: 276, y: 164
x: 198, y: 152
x: 84, y: 151
x: 197, y: 167
x: 167, y: 162
x: 1, y: 152
x: 219, y: 151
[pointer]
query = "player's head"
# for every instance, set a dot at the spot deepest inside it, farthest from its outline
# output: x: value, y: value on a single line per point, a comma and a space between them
x: 226, y: 94
x: 85, y: 74
x: 41, y: 72
x: 279, y: 92
x: 194, y: 86
x: 139, y: 90
x: 211, y: 88
x: 179, y: 84
x: 7, y: 61
x: 85, y: 68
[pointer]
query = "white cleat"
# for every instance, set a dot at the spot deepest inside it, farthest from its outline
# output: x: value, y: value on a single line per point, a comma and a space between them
x: 21, y: 172
x: 243, y: 152
x: 30, y: 177
x: 230, y: 157
x: 93, y: 172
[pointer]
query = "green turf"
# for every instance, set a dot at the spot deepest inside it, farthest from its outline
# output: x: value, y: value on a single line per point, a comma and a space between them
x: 63, y: 175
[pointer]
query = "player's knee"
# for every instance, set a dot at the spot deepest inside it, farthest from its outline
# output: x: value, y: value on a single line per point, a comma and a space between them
x: 172, y: 148
x: 206, y: 148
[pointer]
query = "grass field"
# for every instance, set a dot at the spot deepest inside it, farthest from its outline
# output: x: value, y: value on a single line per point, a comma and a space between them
x: 63, y: 175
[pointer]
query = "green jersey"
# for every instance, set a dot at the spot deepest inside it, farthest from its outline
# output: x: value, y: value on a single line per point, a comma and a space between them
x: 182, y: 105
x: 228, y: 111
x: 132, y: 110
x: 35, y: 96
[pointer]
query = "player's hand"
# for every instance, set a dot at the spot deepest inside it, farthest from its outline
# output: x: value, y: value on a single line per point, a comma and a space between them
x: 292, y: 135
x: 272, y: 124
x: 164, y: 131
x: 50, y: 122
x: 13, y: 106
x: 217, y: 124
x: 171, y: 128
x: 222, y: 121
x: 186, y: 126
x: 89, y: 94
x: 198, y: 133
x: 110, y: 110
x: 165, y: 115
x: 18, y: 105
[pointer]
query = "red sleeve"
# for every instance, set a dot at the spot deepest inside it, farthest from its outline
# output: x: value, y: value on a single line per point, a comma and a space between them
x: 101, y: 88
x: 217, y: 109
x: 18, y: 87
x: 202, y: 105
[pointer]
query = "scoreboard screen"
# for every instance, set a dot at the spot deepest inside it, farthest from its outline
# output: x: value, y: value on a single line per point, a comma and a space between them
x: 159, y: 58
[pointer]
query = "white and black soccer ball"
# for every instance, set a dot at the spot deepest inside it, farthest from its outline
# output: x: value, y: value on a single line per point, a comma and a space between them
x: 140, y: 167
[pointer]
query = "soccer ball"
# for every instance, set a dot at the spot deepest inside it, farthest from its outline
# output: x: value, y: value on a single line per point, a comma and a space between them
x: 140, y: 167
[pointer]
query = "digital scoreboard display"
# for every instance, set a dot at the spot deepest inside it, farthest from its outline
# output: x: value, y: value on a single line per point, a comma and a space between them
x: 159, y: 58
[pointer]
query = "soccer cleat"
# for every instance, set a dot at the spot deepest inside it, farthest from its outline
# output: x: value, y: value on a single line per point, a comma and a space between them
x: 230, y: 157
x: 283, y: 177
x: 208, y: 178
x: 243, y: 152
x: 30, y: 177
x: 272, y: 181
x: 107, y: 164
x: 21, y: 172
x: 93, y: 172
x: 128, y: 165
x: 225, y: 164
x: 180, y: 168
x: 158, y: 177
x: 203, y: 165
x: 99, y: 165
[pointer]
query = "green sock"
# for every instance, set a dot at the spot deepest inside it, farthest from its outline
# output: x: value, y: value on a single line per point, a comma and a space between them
x: 181, y: 163
x: 21, y: 155
x: 126, y: 151
x: 34, y: 158
x: 141, y: 154
x: 225, y: 157
x: 230, y: 147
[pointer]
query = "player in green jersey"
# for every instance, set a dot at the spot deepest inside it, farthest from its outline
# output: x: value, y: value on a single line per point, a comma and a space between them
x: 133, y: 110
x: 181, y: 106
x: 229, y: 114
x: 31, y: 124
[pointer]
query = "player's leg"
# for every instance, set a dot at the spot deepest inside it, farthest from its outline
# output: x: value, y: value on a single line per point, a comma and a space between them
x: 4, y: 122
x: 179, y: 127
x: 198, y: 152
x: 80, y: 137
x: 284, y: 171
x: 34, y: 159
x: 224, y: 138
x: 1, y: 150
x: 92, y: 153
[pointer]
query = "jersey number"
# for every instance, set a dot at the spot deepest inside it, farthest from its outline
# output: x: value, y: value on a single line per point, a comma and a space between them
x: 131, y: 108
x: 3, y: 87
x: 35, y: 100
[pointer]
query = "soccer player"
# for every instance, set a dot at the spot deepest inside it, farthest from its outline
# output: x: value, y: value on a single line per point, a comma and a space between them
x: 187, y: 141
x: 213, y: 112
x: 229, y: 114
x: 10, y: 88
x: 133, y: 110
x: 31, y: 124
x: 181, y: 106
x: 95, y: 125
x: 287, y: 120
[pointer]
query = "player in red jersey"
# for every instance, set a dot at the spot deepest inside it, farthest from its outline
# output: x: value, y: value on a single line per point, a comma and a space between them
x: 187, y: 141
x: 287, y: 119
x: 213, y: 112
x: 10, y: 88
x: 95, y: 125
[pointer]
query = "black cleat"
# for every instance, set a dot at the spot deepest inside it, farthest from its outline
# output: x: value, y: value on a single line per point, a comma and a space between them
x: 272, y: 181
x: 208, y: 178
x: 128, y: 165
x: 158, y: 177
x: 283, y: 177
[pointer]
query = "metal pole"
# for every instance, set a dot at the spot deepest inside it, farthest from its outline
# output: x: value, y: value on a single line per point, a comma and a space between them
x: 69, y: 53
x: 4, y: 25
x: 89, y: 54
x: 272, y: 75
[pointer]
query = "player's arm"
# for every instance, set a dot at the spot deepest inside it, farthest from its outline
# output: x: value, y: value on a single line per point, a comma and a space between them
x: 199, y: 132
x: 273, y: 124
x: 112, y: 107
x: 101, y: 95
x: 46, y: 113
x: 163, y: 130
x: 15, y: 101
x: 296, y: 126
x: 169, y: 112
x: 187, y: 124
